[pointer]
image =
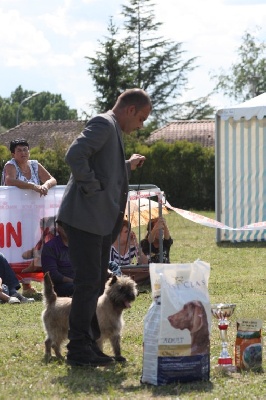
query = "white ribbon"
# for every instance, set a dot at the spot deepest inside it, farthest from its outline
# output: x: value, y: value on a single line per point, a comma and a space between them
x: 198, y: 219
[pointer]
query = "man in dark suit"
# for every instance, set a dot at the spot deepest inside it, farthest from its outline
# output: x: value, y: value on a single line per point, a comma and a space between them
x: 92, y: 212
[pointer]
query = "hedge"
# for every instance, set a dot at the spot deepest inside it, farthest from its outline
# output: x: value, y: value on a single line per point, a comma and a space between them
x: 183, y: 170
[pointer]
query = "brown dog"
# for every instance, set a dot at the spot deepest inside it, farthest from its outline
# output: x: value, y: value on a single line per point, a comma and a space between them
x: 119, y: 293
x: 193, y: 317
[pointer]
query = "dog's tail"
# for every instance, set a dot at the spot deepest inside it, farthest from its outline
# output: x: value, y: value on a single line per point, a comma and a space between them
x: 48, y: 290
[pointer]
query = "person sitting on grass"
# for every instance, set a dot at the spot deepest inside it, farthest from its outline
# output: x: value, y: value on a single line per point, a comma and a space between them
x: 55, y: 260
x: 151, y: 245
x: 126, y: 248
x: 9, y: 284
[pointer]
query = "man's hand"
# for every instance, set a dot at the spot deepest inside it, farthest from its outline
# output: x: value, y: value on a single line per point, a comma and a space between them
x: 136, y: 161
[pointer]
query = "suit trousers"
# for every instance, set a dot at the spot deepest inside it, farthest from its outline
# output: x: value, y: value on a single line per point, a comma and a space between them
x: 89, y: 255
x: 64, y: 289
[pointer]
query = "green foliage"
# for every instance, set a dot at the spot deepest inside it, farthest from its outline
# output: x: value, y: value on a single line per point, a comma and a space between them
x: 194, y: 109
x: 7, y: 114
x: 247, y: 77
x: 42, y: 107
x: 53, y: 161
x: 110, y: 70
x: 183, y: 170
x: 4, y: 157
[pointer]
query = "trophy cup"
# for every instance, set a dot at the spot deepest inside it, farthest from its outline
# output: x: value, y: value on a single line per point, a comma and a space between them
x: 222, y: 312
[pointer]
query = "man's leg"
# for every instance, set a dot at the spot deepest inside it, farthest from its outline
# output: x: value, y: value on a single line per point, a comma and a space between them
x: 85, y: 255
x: 106, y: 248
x: 105, y: 257
x: 65, y: 289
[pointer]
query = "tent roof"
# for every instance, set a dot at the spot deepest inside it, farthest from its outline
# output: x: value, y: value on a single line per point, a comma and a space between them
x: 255, y: 107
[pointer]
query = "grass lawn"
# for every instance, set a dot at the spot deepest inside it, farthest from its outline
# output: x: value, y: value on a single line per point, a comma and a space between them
x: 237, y: 276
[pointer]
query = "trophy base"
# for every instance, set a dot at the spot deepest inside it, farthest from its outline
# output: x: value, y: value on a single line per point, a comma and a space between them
x: 225, y: 361
x: 226, y: 364
x: 226, y: 368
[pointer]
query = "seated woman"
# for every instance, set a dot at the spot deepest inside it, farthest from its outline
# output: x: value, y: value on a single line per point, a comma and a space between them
x: 9, y: 284
x: 150, y: 245
x: 126, y: 247
x: 55, y: 260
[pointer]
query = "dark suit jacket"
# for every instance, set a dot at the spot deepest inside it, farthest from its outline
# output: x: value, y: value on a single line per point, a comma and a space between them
x: 95, y: 196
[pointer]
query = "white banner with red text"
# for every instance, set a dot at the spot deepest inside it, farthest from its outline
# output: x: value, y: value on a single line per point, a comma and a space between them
x: 27, y: 220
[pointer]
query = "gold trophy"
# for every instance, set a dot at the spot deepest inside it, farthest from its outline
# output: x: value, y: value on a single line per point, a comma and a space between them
x: 222, y: 312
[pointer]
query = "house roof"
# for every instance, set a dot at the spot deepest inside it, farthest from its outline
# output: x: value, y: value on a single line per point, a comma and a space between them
x: 200, y: 131
x: 45, y: 133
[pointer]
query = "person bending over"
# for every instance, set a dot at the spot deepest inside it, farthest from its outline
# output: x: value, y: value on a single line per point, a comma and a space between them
x: 92, y: 211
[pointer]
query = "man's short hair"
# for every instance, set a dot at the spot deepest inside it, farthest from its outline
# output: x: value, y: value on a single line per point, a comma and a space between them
x: 135, y: 97
x: 18, y: 142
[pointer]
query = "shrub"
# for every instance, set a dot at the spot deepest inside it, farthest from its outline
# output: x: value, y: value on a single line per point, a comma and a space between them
x: 184, y: 171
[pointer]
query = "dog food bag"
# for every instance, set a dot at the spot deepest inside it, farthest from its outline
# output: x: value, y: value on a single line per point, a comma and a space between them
x: 176, y: 343
x: 248, y: 345
x: 152, y: 327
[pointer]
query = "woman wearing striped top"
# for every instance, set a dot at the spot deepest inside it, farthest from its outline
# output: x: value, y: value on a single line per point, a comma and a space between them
x: 126, y: 247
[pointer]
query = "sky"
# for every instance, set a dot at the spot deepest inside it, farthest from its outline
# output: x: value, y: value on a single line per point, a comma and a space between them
x: 44, y: 44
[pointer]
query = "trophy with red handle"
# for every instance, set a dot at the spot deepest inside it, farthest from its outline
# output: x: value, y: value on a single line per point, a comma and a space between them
x: 222, y: 312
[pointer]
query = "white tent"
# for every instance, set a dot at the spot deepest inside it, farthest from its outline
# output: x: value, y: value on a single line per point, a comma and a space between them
x: 240, y: 169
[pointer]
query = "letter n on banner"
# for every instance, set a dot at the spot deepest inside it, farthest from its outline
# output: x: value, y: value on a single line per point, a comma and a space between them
x: 26, y: 220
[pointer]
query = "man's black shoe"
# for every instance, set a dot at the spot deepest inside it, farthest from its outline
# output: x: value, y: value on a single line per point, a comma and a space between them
x: 98, y: 352
x: 88, y: 358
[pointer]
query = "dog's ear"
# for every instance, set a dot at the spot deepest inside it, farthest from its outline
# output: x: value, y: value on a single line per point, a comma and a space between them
x: 109, y: 274
x: 198, y: 317
x: 113, y: 280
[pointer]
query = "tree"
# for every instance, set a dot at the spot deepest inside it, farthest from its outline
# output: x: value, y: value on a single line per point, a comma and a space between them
x: 7, y: 114
x: 159, y: 65
x: 45, y: 106
x: 110, y: 70
x: 247, y: 77
x: 144, y: 59
x: 195, y: 109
